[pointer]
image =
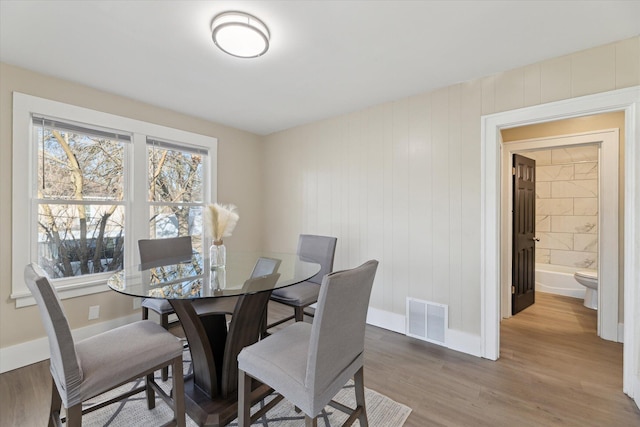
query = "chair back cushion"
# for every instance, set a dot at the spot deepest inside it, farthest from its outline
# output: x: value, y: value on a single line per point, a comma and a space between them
x: 337, y: 333
x: 65, y: 367
x: 244, y: 328
x: 156, y: 252
x: 265, y: 266
x: 319, y: 249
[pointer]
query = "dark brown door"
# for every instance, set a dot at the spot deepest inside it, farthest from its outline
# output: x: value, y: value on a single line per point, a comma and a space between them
x: 524, y: 232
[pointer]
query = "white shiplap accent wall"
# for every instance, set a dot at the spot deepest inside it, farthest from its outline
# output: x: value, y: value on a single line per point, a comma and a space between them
x: 400, y: 182
x: 388, y: 182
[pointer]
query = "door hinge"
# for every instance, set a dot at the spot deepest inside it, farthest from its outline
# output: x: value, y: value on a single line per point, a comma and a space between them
x: 513, y: 289
x: 513, y: 171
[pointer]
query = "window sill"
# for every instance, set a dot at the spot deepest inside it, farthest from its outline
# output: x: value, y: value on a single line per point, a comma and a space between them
x: 25, y: 299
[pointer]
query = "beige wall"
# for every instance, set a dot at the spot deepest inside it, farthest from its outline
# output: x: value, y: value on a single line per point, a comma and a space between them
x: 567, y: 127
x: 239, y: 178
x: 400, y: 182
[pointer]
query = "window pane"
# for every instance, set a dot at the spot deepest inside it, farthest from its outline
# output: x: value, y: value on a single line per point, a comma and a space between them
x: 74, y: 240
x: 77, y: 166
x: 175, y: 176
x: 176, y: 221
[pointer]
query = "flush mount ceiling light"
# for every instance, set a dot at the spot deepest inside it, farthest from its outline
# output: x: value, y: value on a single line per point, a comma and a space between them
x: 240, y: 34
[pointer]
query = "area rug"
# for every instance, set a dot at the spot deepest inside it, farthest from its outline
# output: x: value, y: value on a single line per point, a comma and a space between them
x: 381, y: 411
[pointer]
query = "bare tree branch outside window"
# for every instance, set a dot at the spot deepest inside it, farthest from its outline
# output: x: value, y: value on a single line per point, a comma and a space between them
x: 81, y: 197
x: 175, y: 193
x: 80, y: 210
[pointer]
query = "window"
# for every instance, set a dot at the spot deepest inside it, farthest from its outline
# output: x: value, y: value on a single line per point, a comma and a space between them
x: 79, y: 198
x: 176, y: 190
x: 87, y: 185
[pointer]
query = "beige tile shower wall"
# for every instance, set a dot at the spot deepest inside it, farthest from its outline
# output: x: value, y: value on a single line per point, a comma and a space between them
x: 567, y: 206
x: 400, y: 182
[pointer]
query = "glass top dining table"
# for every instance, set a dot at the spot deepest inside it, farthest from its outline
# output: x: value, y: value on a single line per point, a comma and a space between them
x: 192, y: 279
x: 214, y: 344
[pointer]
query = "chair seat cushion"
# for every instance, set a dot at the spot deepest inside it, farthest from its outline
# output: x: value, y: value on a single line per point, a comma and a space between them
x: 281, y: 361
x: 160, y: 306
x: 116, y: 356
x: 301, y: 294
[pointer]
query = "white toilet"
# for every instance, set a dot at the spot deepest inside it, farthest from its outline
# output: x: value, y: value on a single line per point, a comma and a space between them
x: 589, y: 279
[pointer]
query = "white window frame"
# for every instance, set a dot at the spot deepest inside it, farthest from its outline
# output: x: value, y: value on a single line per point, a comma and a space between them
x: 24, y: 229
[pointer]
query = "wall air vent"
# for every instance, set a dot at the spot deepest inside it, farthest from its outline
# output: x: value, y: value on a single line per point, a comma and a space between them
x: 427, y: 321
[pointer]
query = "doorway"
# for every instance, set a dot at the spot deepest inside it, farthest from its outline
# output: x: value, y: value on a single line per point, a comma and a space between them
x: 606, y: 142
x: 627, y: 100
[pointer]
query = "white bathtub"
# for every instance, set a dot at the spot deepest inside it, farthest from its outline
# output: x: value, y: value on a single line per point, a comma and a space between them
x: 558, y: 280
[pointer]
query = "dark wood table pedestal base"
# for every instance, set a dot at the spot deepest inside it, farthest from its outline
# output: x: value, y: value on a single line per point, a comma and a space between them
x: 211, y: 393
x: 216, y: 412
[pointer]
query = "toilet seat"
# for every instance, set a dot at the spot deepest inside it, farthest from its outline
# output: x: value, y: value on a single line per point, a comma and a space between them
x: 587, y: 274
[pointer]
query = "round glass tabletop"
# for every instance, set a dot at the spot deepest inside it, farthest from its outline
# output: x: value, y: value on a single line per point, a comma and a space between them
x: 193, y: 279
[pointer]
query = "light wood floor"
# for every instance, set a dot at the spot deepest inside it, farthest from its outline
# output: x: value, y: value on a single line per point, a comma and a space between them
x: 553, y: 371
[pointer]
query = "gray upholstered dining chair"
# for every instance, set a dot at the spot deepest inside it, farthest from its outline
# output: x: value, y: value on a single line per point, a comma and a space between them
x: 88, y: 368
x: 154, y: 253
x: 320, y: 357
x: 264, y: 266
x: 157, y: 252
x: 319, y: 249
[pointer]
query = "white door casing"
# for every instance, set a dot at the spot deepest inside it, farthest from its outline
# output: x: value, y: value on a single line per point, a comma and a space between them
x: 627, y: 100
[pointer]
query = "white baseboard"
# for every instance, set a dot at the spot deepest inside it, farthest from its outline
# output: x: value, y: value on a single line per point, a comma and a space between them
x: 27, y: 353
x: 24, y: 354
x: 386, y: 320
x: 464, y: 342
x: 456, y: 340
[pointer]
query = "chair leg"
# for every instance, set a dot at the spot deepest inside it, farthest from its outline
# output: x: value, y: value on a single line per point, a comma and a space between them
x: 145, y: 313
x: 74, y: 416
x: 358, y: 379
x: 310, y: 422
x: 56, y: 404
x: 244, y: 399
x: 178, y: 392
x: 299, y: 313
x: 150, y: 392
x: 164, y: 322
x: 165, y: 373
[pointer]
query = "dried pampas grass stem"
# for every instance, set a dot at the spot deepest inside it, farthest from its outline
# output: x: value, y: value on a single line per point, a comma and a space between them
x: 223, y: 219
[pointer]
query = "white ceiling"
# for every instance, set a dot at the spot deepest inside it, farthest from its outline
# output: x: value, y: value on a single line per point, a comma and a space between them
x: 326, y: 57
